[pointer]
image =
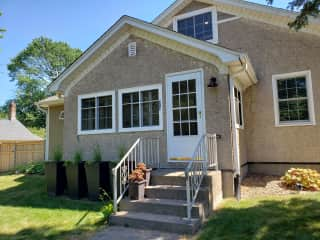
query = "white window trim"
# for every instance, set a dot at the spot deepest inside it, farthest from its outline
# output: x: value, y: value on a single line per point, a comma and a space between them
x: 235, y: 85
x: 213, y: 11
x: 139, y: 89
x: 306, y: 74
x: 97, y: 131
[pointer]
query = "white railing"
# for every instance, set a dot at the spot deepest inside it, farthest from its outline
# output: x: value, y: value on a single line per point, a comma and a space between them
x: 205, y: 156
x: 146, y: 150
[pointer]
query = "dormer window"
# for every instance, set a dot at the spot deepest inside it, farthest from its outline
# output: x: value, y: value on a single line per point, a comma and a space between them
x: 200, y: 24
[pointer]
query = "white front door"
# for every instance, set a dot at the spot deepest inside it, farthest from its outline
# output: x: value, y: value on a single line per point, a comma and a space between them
x: 185, y: 114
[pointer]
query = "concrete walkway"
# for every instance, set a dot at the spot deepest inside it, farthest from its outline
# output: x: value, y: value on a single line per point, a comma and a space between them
x: 123, y: 233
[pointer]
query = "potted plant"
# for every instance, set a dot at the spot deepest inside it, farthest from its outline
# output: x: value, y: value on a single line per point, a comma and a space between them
x: 146, y: 172
x: 76, y: 176
x: 97, y: 175
x: 136, y: 185
x: 55, y: 174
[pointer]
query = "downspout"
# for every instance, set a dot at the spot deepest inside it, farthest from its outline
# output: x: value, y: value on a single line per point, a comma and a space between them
x: 237, y: 182
x: 46, y: 112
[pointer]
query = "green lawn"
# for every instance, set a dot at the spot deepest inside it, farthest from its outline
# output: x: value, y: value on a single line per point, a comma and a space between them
x: 26, y: 212
x: 273, y: 218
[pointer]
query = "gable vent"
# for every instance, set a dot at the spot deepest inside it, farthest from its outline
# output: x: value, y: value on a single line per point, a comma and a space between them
x: 132, y: 49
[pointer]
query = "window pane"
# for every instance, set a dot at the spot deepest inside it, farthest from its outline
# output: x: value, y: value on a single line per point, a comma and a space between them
x: 193, y: 114
x: 193, y: 128
x: 183, y: 86
x: 155, y: 95
x: 155, y: 119
x: 184, y: 129
x: 88, y: 119
x: 88, y: 103
x: 192, y: 85
x: 105, y: 117
x: 147, y: 114
x: 184, y: 100
x: 184, y: 114
x: 203, y: 26
x: 176, y: 115
x: 126, y: 98
x: 126, y: 116
x: 176, y: 129
x: 175, y: 101
x: 192, y: 99
x: 175, y: 87
x: 186, y: 26
x: 105, y: 101
x: 135, y: 115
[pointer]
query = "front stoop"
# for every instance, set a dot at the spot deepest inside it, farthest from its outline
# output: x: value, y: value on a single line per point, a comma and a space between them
x: 158, y: 222
x: 165, y: 206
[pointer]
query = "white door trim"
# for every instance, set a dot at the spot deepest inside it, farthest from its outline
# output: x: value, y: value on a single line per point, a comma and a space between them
x: 168, y: 101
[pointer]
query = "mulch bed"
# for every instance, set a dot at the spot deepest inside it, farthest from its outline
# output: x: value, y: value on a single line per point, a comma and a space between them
x: 259, y: 185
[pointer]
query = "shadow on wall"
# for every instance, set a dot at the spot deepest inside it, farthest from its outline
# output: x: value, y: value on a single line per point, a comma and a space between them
x: 293, y: 218
x: 31, y: 192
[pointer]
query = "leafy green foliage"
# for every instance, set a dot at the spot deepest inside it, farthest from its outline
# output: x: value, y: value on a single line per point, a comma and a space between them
x: 40, y: 132
x: 31, y: 168
x: 107, y: 208
x: 122, y: 150
x: 1, y: 29
x: 33, y: 69
x: 308, y: 178
x: 97, y: 157
x: 58, y: 154
x: 307, y: 8
x: 77, y: 157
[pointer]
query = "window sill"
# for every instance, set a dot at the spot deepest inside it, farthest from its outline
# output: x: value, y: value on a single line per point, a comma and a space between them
x: 295, y: 124
x: 92, y: 132
x: 142, y: 129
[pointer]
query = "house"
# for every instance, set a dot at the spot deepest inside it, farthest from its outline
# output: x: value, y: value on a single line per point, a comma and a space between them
x: 230, y: 68
x: 17, y: 144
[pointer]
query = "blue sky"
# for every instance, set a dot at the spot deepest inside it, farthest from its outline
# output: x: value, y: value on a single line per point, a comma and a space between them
x: 78, y: 23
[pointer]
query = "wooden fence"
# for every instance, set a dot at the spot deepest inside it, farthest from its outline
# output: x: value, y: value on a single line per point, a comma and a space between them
x: 16, y: 154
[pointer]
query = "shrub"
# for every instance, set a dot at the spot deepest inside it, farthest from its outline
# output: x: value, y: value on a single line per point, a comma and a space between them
x: 107, y: 208
x: 58, y: 155
x: 31, y: 168
x: 122, y: 150
x: 309, y: 179
x: 97, y: 157
x: 77, y: 157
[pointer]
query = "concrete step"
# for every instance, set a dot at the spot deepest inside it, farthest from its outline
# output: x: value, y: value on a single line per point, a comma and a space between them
x: 169, y: 177
x: 174, y: 192
x: 165, y: 207
x: 155, y: 222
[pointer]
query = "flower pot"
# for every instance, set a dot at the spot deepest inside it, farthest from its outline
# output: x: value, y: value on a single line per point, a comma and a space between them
x: 56, y: 178
x: 136, y: 190
x: 97, y: 179
x: 147, y: 175
x: 76, y: 181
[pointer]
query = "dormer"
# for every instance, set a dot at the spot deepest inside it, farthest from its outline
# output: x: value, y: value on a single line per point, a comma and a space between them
x: 200, y: 24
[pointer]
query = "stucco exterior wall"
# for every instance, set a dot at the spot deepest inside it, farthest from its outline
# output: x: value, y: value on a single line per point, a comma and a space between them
x: 152, y: 62
x: 275, y: 50
x: 55, y: 130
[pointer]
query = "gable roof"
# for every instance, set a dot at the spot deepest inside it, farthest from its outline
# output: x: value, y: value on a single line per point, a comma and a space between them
x: 258, y: 12
x: 226, y: 56
x: 14, y: 131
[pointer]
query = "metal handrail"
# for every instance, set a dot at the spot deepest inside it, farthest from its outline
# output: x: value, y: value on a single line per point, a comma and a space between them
x: 204, y: 157
x: 146, y: 150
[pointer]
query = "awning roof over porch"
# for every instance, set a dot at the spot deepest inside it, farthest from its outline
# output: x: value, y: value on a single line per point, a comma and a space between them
x: 238, y: 64
x: 51, y: 101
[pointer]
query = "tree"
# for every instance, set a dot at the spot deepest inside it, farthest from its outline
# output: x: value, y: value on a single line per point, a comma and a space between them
x: 307, y: 8
x: 33, y: 69
x: 1, y: 29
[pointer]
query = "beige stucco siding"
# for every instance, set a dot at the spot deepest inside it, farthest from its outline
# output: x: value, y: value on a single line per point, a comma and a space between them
x: 152, y: 62
x: 55, y: 130
x: 275, y: 50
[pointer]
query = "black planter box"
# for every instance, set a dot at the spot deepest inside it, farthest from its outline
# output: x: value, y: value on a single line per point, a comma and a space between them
x: 97, y: 179
x: 56, y: 178
x: 76, y: 181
